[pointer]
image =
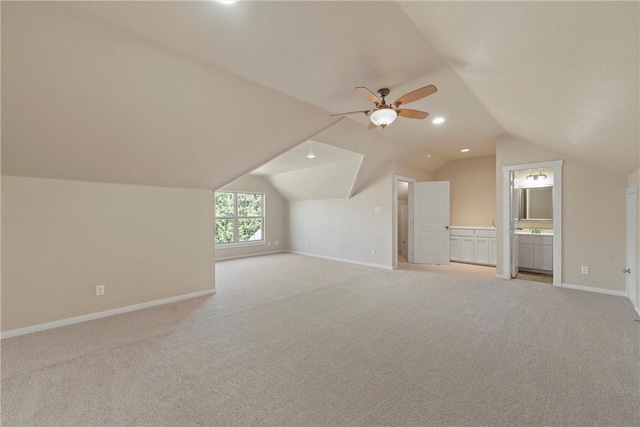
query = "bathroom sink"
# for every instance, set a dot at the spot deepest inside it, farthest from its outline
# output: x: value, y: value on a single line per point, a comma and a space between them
x: 528, y: 231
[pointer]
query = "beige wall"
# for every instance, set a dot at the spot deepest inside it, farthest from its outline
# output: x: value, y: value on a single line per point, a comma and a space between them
x: 62, y: 238
x: 473, y: 190
x: 276, y: 217
x: 593, y: 214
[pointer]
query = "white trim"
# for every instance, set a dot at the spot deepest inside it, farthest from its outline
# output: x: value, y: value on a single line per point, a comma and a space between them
x: 557, y: 216
x: 227, y: 258
x: 223, y: 246
x: 502, y: 276
x: 367, y: 264
x: 631, y: 245
x: 101, y: 314
x: 592, y: 289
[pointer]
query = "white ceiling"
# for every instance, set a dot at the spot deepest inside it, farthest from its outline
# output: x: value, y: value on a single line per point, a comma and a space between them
x: 560, y: 74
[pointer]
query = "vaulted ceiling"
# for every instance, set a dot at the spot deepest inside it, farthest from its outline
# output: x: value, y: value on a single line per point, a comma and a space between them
x: 88, y: 83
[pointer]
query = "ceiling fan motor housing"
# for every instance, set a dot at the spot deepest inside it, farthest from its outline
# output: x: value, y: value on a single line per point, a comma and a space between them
x: 383, y: 92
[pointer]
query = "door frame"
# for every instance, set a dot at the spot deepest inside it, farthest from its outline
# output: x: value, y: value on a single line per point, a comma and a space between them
x: 631, y: 242
x: 394, y: 220
x: 505, y: 272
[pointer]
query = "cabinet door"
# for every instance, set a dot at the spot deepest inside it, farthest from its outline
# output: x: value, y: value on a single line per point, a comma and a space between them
x: 493, y: 251
x: 454, y: 248
x: 525, y: 255
x: 481, y: 250
x: 466, y: 249
x: 543, y: 257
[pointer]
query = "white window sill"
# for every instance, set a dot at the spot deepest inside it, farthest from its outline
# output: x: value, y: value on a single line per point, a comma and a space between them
x: 241, y: 244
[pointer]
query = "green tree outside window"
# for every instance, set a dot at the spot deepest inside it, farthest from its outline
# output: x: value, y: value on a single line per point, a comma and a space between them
x: 239, y: 217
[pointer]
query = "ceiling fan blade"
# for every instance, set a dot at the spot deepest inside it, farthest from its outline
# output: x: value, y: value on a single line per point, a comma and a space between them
x: 368, y: 95
x: 415, y: 95
x: 351, y: 112
x: 412, y: 114
x: 372, y: 125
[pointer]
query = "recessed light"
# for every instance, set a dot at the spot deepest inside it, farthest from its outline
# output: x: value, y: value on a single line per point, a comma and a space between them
x: 438, y: 120
x: 311, y: 156
x: 227, y: 1
x: 465, y: 150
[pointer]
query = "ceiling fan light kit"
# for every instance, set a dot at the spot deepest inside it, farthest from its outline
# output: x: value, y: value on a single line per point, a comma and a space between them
x: 383, y: 117
x: 384, y: 114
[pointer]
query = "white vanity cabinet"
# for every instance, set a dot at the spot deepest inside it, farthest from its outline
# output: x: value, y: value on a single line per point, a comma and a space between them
x: 476, y: 245
x: 535, y: 252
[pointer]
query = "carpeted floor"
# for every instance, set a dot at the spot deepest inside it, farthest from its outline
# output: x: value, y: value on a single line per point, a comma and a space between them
x: 294, y: 340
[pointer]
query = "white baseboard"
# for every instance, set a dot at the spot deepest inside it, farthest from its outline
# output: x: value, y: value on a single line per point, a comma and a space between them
x: 101, y: 314
x: 596, y: 290
x: 367, y: 264
x: 227, y: 258
x: 502, y: 276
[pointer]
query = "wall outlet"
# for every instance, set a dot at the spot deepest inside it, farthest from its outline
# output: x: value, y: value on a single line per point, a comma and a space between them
x: 584, y: 269
x: 373, y: 251
x: 378, y: 209
x: 306, y: 245
x: 269, y: 243
x: 99, y: 290
x: 276, y: 243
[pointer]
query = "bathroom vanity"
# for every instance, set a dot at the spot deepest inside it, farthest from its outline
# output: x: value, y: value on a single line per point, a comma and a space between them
x: 535, y: 251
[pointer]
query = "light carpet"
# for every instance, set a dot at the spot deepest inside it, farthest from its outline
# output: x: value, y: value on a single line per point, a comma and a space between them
x: 294, y: 340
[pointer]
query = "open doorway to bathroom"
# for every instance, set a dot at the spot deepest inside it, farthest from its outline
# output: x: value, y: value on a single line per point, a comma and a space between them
x: 532, y: 222
x: 533, y: 211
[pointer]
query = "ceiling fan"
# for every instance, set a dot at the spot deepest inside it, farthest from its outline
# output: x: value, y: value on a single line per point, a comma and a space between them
x: 384, y: 114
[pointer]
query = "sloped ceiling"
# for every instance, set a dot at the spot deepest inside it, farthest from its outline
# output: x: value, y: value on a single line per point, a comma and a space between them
x: 562, y: 74
x: 197, y: 93
x: 330, y: 174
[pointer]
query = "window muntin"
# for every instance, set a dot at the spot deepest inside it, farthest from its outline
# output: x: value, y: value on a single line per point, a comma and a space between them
x: 239, y: 217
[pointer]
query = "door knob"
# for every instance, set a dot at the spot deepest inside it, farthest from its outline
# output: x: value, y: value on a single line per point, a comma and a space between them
x: 626, y: 270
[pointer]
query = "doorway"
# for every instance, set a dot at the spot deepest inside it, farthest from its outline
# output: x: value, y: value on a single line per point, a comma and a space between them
x: 537, y: 245
x: 402, y: 221
x: 633, y: 293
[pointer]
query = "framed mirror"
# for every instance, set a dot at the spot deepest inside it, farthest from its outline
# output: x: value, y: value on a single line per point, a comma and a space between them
x: 536, y: 203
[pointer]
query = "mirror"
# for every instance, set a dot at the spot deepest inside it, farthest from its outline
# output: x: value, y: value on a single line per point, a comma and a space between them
x: 536, y: 203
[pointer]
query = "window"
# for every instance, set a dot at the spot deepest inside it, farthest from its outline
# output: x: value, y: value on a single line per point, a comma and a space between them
x: 239, y: 217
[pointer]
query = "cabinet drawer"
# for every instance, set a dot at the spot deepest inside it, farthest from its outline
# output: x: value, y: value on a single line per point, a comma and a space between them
x: 535, y: 239
x: 485, y: 233
x: 460, y: 232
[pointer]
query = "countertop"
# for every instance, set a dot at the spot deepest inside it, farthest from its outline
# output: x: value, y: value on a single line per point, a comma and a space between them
x: 527, y: 231
x: 465, y: 227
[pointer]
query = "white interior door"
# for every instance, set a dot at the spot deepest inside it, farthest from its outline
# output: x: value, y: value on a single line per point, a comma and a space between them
x: 430, y: 222
x: 513, y: 220
x: 631, y: 269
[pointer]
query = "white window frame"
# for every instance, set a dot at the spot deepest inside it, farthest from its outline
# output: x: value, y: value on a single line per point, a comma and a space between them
x: 236, y: 219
